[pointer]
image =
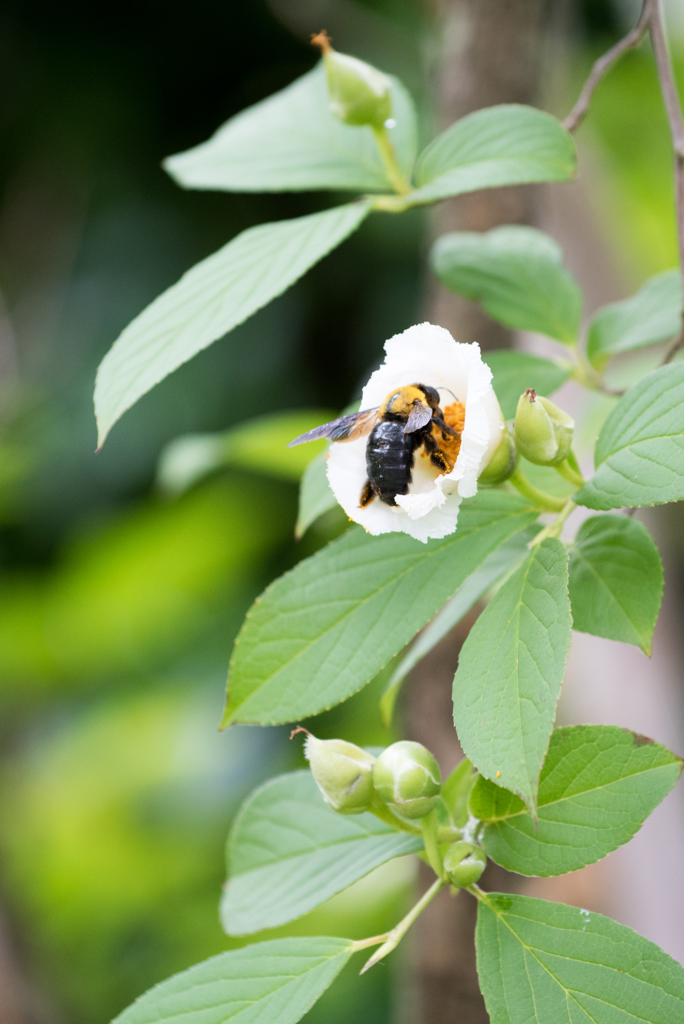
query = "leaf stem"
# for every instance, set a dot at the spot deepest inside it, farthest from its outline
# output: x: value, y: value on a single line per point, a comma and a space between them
x: 554, y: 528
x: 586, y: 375
x: 389, y: 161
x: 396, y: 935
x: 445, y: 833
x: 568, y: 473
x: 389, y: 203
x: 541, y: 499
x: 382, y: 811
x: 374, y: 940
x: 477, y: 892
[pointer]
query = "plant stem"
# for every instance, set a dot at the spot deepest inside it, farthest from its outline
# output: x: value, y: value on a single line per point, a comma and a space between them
x: 396, y: 935
x: 604, y: 64
x: 554, y: 528
x: 389, y: 161
x: 650, y: 20
x: 673, y: 109
x: 431, y: 840
x: 544, y: 501
x: 570, y: 474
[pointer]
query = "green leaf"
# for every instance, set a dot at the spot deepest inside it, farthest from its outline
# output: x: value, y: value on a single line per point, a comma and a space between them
x: 504, y: 145
x: 639, y: 454
x: 324, y: 630
x: 546, y: 963
x: 514, y: 372
x: 598, y: 785
x: 517, y: 274
x: 616, y: 580
x: 652, y: 315
x: 210, y: 299
x: 315, y: 495
x: 510, y: 672
x: 456, y: 790
x: 289, y: 851
x: 291, y: 142
x: 267, y: 983
x: 259, y: 444
x: 469, y: 593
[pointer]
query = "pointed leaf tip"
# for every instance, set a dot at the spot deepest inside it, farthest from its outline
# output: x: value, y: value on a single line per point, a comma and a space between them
x: 212, y: 298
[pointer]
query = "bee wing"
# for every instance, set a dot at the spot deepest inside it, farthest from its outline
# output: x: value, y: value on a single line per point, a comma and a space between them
x: 346, y: 428
x: 419, y: 416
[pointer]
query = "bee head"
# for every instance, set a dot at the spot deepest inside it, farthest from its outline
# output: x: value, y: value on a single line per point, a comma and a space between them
x: 431, y: 395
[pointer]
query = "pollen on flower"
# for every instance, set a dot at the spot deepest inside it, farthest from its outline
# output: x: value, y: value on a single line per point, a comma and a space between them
x: 454, y: 417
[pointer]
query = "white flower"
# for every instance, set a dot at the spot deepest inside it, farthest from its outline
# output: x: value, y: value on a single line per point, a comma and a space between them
x: 424, y: 354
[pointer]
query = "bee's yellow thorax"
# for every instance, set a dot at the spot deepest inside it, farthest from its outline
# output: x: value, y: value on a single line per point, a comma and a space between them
x: 400, y: 402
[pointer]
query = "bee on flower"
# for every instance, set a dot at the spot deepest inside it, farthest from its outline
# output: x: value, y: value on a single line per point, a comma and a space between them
x: 430, y: 425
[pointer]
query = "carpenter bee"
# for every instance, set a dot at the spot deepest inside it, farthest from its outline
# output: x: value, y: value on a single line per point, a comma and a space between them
x: 409, y: 418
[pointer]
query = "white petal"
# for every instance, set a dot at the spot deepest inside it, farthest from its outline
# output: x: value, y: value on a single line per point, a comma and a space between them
x: 423, y: 354
x: 439, y: 523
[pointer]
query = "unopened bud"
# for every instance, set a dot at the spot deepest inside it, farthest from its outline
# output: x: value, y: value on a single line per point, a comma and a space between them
x: 503, y: 461
x: 464, y: 863
x: 406, y: 777
x: 343, y: 773
x: 543, y: 432
x: 359, y: 93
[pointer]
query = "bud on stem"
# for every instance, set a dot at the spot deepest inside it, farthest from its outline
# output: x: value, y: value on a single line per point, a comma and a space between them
x: 543, y: 432
x: 406, y: 776
x: 464, y: 863
x: 503, y: 461
x: 342, y: 771
x: 359, y: 93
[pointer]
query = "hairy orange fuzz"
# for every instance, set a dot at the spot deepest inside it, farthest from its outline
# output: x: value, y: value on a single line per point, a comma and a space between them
x: 454, y: 417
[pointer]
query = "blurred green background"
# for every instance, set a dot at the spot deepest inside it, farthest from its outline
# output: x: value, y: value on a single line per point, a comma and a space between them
x: 118, y: 604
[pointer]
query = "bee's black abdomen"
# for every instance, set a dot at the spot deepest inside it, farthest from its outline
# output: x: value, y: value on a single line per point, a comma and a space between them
x: 389, y: 459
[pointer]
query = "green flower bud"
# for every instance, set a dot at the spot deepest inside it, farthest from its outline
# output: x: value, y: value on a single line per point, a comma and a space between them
x: 359, y: 93
x: 503, y: 461
x: 543, y: 432
x: 406, y: 776
x: 464, y: 863
x: 343, y: 773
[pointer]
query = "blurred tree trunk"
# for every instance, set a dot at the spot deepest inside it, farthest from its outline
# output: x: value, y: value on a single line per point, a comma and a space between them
x: 13, y: 1001
x: 491, y: 54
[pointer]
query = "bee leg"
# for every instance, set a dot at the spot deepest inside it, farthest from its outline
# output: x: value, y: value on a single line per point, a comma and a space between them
x: 367, y: 495
x: 437, y: 457
x: 440, y: 460
x: 447, y: 431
